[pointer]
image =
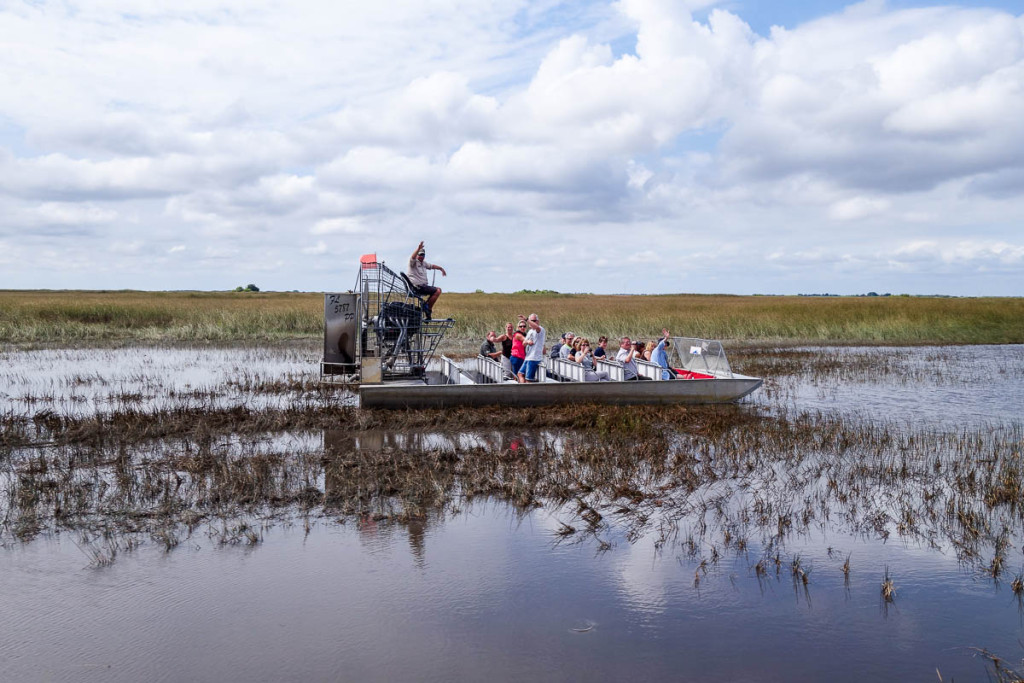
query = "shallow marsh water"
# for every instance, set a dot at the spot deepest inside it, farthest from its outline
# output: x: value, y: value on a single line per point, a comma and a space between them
x: 482, y: 588
x: 484, y: 595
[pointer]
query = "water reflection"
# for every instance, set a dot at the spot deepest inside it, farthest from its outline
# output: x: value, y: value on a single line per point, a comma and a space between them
x: 487, y: 596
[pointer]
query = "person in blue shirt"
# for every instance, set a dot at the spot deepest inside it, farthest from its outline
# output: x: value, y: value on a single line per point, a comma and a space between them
x: 661, y: 358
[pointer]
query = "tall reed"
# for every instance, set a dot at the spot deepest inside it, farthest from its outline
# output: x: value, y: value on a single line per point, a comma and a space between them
x: 77, y: 316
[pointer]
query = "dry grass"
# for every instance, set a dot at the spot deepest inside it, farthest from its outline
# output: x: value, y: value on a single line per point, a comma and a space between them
x: 36, y: 317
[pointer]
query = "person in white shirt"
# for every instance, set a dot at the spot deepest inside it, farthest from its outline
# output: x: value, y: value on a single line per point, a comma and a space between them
x: 626, y: 354
x: 534, y: 349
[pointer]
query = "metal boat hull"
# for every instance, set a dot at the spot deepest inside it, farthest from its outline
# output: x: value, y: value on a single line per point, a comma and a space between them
x: 696, y: 391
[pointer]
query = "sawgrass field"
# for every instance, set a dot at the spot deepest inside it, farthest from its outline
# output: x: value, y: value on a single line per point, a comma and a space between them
x: 76, y: 317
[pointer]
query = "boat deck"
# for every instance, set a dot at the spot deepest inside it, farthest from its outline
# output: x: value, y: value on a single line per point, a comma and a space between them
x: 455, y: 386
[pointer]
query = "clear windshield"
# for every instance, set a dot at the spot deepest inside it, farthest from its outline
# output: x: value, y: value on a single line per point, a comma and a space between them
x: 699, y: 355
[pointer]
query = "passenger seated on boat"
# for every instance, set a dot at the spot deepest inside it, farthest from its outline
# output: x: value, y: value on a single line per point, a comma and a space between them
x: 567, y: 349
x: 557, y: 347
x: 627, y: 355
x: 659, y: 356
x: 488, y: 349
x: 577, y: 342
x: 586, y: 358
x: 601, y: 350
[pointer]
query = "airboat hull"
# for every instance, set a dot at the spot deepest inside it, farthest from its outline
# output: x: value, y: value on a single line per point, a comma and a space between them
x: 695, y: 391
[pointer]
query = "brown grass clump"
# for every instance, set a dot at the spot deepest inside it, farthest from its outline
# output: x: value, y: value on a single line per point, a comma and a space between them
x: 888, y: 588
x: 725, y: 478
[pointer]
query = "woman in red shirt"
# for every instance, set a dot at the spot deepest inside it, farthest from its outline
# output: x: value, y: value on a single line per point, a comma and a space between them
x: 518, y: 349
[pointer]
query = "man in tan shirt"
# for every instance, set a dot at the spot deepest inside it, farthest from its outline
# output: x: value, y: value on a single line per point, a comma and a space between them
x: 418, y: 268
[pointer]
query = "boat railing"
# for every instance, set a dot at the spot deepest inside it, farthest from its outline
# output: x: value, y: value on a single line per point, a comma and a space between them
x: 700, y: 355
x: 567, y: 370
x: 616, y: 372
x: 648, y: 369
x: 490, y: 369
x: 452, y: 372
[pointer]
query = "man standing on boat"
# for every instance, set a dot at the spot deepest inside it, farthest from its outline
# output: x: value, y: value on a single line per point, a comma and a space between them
x: 418, y: 268
x: 534, y: 350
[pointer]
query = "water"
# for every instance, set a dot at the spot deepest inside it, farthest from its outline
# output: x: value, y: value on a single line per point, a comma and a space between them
x: 484, y: 595
x: 83, y: 382
x: 937, y: 386
x: 480, y: 590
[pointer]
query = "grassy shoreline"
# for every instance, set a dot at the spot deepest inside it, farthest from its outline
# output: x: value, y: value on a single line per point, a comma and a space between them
x: 29, y: 317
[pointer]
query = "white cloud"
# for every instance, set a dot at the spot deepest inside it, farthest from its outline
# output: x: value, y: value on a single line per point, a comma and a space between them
x: 128, y: 131
x: 317, y: 249
x: 126, y: 247
x: 63, y: 213
x: 646, y: 256
x: 978, y: 254
x: 343, y: 225
x: 856, y: 208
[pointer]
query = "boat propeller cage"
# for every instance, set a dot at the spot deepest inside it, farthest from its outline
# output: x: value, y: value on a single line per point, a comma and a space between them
x: 380, y: 330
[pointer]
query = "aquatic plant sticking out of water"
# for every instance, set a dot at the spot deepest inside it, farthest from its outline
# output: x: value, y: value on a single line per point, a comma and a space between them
x: 888, y: 587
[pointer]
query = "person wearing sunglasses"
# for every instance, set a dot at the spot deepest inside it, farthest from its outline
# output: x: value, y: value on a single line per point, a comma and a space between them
x: 534, y: 344
x: 518, y: 356
x: 586, y: 358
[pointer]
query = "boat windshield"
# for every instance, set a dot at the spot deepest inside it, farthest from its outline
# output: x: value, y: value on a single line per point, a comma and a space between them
x: 699, y: 355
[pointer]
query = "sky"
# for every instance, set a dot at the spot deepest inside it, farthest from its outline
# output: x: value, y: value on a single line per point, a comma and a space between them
x: 637, y: 146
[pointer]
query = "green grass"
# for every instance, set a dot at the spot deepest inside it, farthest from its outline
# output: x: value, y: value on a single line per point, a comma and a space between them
x: 59, y: 317
x: 755, y: 319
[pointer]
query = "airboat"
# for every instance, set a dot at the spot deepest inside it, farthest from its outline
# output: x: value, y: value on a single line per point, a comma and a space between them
x: 379, y: 336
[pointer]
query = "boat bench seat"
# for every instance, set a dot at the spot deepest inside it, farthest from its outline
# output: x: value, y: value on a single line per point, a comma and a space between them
x: 687, y: 374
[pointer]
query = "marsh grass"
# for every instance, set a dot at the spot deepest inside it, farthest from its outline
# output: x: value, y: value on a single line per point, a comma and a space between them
x: 1001, y: 672
x: 730, y: 480
x: 53, y: 317
x: 62, y: 317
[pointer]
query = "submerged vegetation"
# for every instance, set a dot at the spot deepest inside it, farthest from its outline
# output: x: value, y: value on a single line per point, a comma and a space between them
x: 709, y: 481
x: 56, y: 317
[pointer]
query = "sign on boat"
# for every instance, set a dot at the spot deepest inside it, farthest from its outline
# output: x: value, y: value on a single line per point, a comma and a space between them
x: 379, y: 337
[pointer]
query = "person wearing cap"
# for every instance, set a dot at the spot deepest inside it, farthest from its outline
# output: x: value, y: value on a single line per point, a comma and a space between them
x: 417, y: 274
x: 534, y: 344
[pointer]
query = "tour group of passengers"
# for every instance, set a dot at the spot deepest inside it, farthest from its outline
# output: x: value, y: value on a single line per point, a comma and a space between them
x: 522, y: 344
x: 522, y: 352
